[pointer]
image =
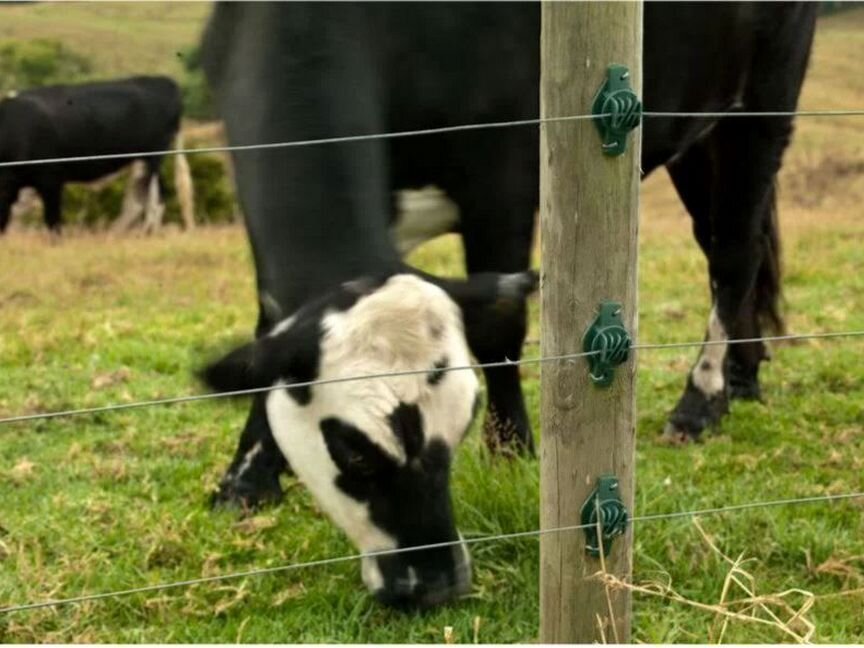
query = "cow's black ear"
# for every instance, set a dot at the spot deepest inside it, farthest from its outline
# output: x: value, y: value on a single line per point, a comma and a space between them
x: 247, y: 367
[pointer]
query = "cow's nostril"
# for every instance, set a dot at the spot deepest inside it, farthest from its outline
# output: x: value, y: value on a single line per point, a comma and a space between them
x: 405, y: 594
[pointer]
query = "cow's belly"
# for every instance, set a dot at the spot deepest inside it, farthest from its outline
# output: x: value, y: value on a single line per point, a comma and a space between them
x: 422, y: 215
x: 92, y: 171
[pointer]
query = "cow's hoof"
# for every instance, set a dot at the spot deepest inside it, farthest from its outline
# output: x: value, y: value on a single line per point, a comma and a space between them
x: 745, y: 391
x: 245, y: 496
x: 676, y: 436
x: 687, y: 425
x: 694, y: 413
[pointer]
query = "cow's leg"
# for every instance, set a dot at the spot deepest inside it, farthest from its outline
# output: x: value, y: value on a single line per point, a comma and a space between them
x: 498, y: 336
x: 8, y: 196
x: 155, y: 209
x: 743, y: 266
x: 52, y: 205
x: 252, y: 479
x: 693, y: 176
x: 497, y: 226
x: 704, y: 400
x: 134, y: 198
x: 744, y: 249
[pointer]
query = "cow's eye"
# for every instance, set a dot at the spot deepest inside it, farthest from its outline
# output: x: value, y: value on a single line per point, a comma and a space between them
x: 360, y: 465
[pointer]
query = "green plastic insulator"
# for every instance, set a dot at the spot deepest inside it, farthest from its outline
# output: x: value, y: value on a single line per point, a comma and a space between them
x: 617, y: 110
x: 606, y: 501
x: 608, y: 341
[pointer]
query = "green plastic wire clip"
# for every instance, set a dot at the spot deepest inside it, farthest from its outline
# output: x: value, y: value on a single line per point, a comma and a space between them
x: 621, y: 107
x: 606, y: 501
x: 608, y: 341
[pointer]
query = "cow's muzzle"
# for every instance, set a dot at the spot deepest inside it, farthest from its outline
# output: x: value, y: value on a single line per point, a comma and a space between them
x: 422, y: 579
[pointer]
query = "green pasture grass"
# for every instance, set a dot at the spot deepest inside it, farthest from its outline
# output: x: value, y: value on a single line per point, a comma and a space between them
x: 119, y: 500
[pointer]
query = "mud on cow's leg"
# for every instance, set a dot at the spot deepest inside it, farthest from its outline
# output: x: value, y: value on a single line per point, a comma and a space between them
x: 252, y: 479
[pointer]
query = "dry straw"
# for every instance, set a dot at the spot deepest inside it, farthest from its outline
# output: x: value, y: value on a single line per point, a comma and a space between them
x: 776, y: 610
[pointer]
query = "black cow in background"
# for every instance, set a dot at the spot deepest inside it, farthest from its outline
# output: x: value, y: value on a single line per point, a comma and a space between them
x: 110, y: 117
x: 319, y: 215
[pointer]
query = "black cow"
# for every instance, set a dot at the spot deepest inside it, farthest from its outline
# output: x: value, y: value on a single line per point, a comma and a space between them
x: 134, y: 115
x: 317, y: 216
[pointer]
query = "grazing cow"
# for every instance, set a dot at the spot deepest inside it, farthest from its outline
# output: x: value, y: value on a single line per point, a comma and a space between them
x: 109, y: 117
x: 319, y: 215
x: 376, y: 453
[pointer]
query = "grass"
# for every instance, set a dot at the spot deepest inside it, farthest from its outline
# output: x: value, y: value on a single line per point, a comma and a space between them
x: 119, y: 500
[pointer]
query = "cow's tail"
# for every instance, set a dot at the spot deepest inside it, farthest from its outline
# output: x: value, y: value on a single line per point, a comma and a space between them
x: 183, y: 184
x: 768, y: 292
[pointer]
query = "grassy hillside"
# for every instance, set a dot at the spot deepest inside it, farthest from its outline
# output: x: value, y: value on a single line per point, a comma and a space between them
x: 114, y: 501
x: 119, y: 38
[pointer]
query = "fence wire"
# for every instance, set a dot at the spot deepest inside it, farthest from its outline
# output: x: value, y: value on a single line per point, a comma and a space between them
x: 475, y: 540
x: 420, y: 132
x: 412, y: 372
x: 438, y: 545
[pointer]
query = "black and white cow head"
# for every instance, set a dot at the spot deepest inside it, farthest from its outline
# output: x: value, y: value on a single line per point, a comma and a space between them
x: 376, y: 454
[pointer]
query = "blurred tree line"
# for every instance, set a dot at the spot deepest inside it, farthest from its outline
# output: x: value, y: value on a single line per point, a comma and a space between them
x: 833, y: 6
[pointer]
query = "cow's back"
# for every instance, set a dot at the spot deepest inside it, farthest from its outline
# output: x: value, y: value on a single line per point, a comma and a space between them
x: 444, y: 64
x: 108, y: 117
x: 286, y: 71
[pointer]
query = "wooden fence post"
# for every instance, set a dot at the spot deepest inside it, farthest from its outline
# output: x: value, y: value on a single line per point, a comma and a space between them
x: 589, y: 227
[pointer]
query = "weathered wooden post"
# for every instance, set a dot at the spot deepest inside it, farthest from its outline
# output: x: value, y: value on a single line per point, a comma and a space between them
x: 589, y: 226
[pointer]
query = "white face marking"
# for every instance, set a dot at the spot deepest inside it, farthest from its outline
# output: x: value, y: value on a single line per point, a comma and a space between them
x: 407, y: 324
x: 708, y: 372
x: 422, y: 216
